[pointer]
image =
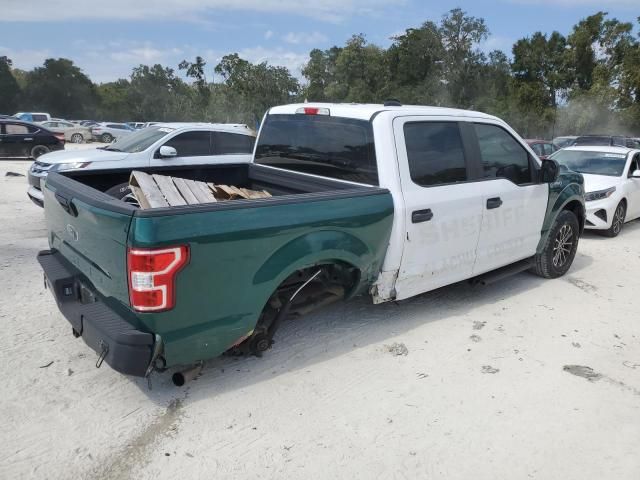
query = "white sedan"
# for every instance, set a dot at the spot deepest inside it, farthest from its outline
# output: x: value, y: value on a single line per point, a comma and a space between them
x: 611, y: 182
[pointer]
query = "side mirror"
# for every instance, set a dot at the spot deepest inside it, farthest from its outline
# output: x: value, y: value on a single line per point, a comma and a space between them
x: 549, y: 171
x: 166, y: 151
x: 636, y: 174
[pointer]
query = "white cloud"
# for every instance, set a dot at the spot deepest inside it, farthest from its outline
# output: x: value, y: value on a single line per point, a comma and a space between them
x: 268, y: 34
x: 308, y: 38
x: 581, y: 3
x: 189, y: 10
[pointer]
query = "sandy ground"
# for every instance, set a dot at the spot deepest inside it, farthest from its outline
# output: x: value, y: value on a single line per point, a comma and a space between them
x: 481, y: 392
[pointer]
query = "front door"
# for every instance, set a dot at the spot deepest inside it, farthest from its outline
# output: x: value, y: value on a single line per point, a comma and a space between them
x: 514, y: 203
x: 443, y: 209
x: 193, y: 148
x: 633, y: 189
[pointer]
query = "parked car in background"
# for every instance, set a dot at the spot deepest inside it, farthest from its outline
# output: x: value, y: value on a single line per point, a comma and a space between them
x: 612, y: 184
x: 33, y: 117
x: 543, y: 148
x: 88, y: 123
x: 27, y: 140
x: 108, y: 132
x: 136, y: 125
x: 167, y: 145
x: 72, y: 133
x: 562, y: 142
x: 605, y: 140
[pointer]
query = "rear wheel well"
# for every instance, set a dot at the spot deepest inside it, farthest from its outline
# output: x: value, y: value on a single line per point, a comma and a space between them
x: 578, y: 210
x: 302, y: 292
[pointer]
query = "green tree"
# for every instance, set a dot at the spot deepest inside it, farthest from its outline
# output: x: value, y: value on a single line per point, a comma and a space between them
x: 9, y: 88
x: 60, y: 88
x: 461, y: 35
x: 257, y: 86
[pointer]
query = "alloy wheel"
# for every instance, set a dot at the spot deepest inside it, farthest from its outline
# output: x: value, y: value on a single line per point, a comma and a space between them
x: 562, y: 246
x: 76, y: 138
x: 618, y: 219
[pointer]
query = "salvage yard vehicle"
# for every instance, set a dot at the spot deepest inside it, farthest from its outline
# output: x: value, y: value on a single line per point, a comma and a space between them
x: 386, y: 200
x: 27, y: 140
x: 612, y: 184
x: 72, y: 133
x: 170, y: 144
x: 108, y: 132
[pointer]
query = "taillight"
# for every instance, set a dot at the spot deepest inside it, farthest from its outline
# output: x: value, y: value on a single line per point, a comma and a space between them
x: 152, y: 276
x: 59, y: 136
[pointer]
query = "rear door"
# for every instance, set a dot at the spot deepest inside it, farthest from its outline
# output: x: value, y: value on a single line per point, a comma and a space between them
x: 443, y: 206
x: 514, y: 203
x: 18, y: 139
x: 232, y: 147
x: 90, y: 229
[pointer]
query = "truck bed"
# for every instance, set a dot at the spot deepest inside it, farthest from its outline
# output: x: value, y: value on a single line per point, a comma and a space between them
x: 284, y: 186
x: 240, y: 250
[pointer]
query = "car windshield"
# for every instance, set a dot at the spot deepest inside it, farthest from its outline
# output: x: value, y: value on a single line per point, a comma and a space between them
x: 594, y: 163
x: 139, y: 140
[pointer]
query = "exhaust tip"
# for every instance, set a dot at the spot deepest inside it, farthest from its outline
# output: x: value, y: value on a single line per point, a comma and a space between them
x: 184, y: 376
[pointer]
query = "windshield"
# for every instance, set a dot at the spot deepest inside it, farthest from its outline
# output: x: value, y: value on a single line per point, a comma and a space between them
x: 594, y: 163
x: 139, y: 140
x: 333, y: 147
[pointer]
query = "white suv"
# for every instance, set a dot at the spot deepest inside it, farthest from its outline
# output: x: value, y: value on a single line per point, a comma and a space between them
x: 165, y: 144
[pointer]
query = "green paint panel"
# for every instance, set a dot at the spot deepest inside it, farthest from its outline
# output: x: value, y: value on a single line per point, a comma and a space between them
x: 240, y: 256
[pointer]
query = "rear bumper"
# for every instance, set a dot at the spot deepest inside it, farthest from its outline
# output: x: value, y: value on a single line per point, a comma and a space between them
x: 126, y: 349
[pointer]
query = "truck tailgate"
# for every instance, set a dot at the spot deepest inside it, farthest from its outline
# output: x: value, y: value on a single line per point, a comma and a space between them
x: 90, y: 231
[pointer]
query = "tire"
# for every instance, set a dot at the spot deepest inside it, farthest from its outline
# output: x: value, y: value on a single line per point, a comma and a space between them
x: 617, y: 223
x: 560, y: 248
x: 39, y: 150
x: 106, y: 138
x: 123, y: 192
x: 77, y: 138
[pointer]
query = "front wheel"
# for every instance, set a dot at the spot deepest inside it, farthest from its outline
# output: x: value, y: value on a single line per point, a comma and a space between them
x: 560, y: 248
x: 77, y: 138
x: 106, y: 138
x: 618, y: 221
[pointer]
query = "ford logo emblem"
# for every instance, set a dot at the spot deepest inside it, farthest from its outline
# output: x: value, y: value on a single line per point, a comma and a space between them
x: 73, y: 233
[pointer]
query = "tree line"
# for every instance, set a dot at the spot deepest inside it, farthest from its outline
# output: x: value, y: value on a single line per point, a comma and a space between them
x: 585, y: 82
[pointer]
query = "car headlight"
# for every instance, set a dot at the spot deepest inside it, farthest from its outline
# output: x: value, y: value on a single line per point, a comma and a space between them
x: 61, y: 167
x: 599, y: 195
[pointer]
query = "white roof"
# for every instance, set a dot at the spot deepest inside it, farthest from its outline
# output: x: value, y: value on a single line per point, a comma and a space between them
x: 600, y: 148
x: 364, y: 111
x: 219, y: 127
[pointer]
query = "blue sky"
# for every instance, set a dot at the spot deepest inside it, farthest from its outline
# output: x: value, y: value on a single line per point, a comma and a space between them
x: 107, y: 38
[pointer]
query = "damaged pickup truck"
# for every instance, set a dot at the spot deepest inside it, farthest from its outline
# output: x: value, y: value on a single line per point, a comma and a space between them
x: 385, y: 200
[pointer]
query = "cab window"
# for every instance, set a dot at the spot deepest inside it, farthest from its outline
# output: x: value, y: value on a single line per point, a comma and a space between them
x: 191, y: 144
x: 435, y: 153
x: 502, y: 155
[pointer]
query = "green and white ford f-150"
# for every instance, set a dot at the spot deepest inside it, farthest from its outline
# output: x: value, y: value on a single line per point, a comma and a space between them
x: 390, y: 201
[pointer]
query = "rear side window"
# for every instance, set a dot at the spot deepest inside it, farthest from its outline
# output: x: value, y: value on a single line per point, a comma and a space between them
x: 39, y: 118
x: 227, y: 143
x: 538, y: 148
x: 333, y: 147
x: 191, y: 144
x: 502, y: 155
x: 549, y: 149
x: 15, y: 129
x: 435, y: 153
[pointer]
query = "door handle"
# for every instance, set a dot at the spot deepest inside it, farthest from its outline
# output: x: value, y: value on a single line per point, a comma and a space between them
x: 30, y: 139
x: 494, y: 203
x: 420, y: 216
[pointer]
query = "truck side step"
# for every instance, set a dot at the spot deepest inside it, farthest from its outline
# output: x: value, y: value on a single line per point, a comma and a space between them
x: 504, y: 272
